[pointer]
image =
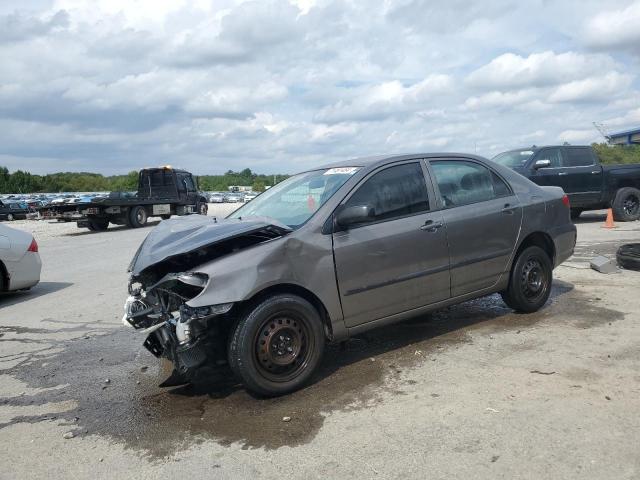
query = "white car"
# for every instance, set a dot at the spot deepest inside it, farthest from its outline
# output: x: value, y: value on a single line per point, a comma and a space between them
x: 20, y: 263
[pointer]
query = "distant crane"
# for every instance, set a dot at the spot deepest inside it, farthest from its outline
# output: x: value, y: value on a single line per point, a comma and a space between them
x: 602, y: 128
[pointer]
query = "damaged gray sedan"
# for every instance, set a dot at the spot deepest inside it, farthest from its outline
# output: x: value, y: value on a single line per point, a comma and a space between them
x: 336, y: 251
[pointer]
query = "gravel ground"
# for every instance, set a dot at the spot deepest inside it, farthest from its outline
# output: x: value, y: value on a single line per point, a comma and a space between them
x: 471, y: 391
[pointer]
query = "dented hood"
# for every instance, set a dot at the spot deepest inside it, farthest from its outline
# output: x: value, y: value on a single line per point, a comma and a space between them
x: 182, y: 235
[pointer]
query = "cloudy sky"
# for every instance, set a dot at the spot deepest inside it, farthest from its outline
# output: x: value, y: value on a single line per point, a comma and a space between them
x: 284, y: 85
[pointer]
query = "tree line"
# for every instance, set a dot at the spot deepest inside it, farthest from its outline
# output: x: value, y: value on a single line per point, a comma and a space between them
x: 25, y: 182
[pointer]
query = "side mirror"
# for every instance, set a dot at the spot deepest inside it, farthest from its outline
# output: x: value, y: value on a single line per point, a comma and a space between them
x: 356, y: 214
x: 544, y: 163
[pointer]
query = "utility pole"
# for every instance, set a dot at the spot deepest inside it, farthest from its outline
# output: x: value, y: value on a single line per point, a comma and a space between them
x: 601, y: 127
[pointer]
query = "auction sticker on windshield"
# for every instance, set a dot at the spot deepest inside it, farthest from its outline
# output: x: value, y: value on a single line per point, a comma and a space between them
x: 341, y: 171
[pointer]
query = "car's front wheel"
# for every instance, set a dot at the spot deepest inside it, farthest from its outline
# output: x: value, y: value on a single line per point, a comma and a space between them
x: 277, y: 345
x: 530, y: 281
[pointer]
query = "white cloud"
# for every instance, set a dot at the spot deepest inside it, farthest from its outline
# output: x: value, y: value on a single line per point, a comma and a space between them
x: 580, y: 136
x: 376, y: 102
x: 592, y: 89
x: 512, y: 71
x: 615, y: 29
x: 281, y: 85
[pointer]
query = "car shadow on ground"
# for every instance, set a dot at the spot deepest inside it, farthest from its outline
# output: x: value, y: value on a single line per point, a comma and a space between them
x: 408, y: 341
x: 43, y: 288
x: 357, y: 374
x: 84, y: 231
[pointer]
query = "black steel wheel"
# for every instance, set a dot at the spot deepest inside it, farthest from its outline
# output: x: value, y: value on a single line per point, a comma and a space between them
x: 626, y: 205
x: 530, y: 281
x: 277, y: 345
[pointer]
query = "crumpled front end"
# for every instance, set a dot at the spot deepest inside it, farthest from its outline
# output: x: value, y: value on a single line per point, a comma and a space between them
x: 192, y: 338
x: 188, y: 337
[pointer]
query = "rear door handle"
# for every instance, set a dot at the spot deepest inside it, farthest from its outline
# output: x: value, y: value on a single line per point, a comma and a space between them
x: 562, y: 173
x: 595, y: 172
x: 431, y: 226
x: 508, y: 209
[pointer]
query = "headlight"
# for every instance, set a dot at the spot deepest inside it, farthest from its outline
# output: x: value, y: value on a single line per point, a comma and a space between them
x: 187, y: 312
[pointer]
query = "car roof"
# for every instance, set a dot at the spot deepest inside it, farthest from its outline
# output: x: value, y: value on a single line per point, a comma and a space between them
x: 377, y: 160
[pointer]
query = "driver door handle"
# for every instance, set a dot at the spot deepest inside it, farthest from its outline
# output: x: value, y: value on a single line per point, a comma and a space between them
x: 431, y: 226
x: 562, y: 173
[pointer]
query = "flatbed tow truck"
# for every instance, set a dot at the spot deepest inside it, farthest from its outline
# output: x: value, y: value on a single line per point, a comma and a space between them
x: 162, y: 192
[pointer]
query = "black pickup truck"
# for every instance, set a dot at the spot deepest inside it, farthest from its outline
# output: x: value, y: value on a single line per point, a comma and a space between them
x: 162, y: 192
x: 577, y: 169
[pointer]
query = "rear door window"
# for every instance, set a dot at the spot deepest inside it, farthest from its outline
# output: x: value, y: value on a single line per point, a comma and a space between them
x: 579, y: 157
x: 394, y: 192
x: 462, y: 182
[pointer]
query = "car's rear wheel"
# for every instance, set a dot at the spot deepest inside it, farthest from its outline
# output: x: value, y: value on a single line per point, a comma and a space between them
x: 530, y: 281
x: 138, y: 217
x: 10, y: 217
x: 626, y: 205
x: 203, y: 209
x: 277, y: 345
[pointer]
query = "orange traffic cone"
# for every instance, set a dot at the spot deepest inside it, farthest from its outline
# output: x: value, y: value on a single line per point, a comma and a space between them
x: 608, y: 223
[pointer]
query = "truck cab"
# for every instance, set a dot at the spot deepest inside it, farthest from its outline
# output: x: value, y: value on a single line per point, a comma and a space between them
x: 577, y: 169
x: 167, y: 183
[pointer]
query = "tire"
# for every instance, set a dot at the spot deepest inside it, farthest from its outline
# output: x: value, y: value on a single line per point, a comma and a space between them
x: 203, y: 208
x: 575, y: 213
x: 138, y: 217
x: 628, y: 256
x: 530, y: 281
x: 98, y: 224
x: 277, y: 345
x: 626, y: 205
x: 10, y: 217
x: 165, y: 217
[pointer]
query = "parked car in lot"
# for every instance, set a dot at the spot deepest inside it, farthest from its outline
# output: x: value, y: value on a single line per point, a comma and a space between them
x: 336, y: 251
x: 20, y: 263
x: 233, y: 198
x: 249, y: 196
x: 216, y: 198
x: 12, y: 210
x: 577, y: 169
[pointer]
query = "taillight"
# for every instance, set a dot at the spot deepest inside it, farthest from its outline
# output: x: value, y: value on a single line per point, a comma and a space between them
x: 33, y: 247
x: 565, y: 200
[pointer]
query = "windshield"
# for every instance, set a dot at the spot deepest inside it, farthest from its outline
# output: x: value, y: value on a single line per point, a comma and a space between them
x: 297, y: 198
x: 514, y: 158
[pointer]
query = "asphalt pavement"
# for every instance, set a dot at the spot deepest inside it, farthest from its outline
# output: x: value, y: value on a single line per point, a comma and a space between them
x: 472, y: 391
